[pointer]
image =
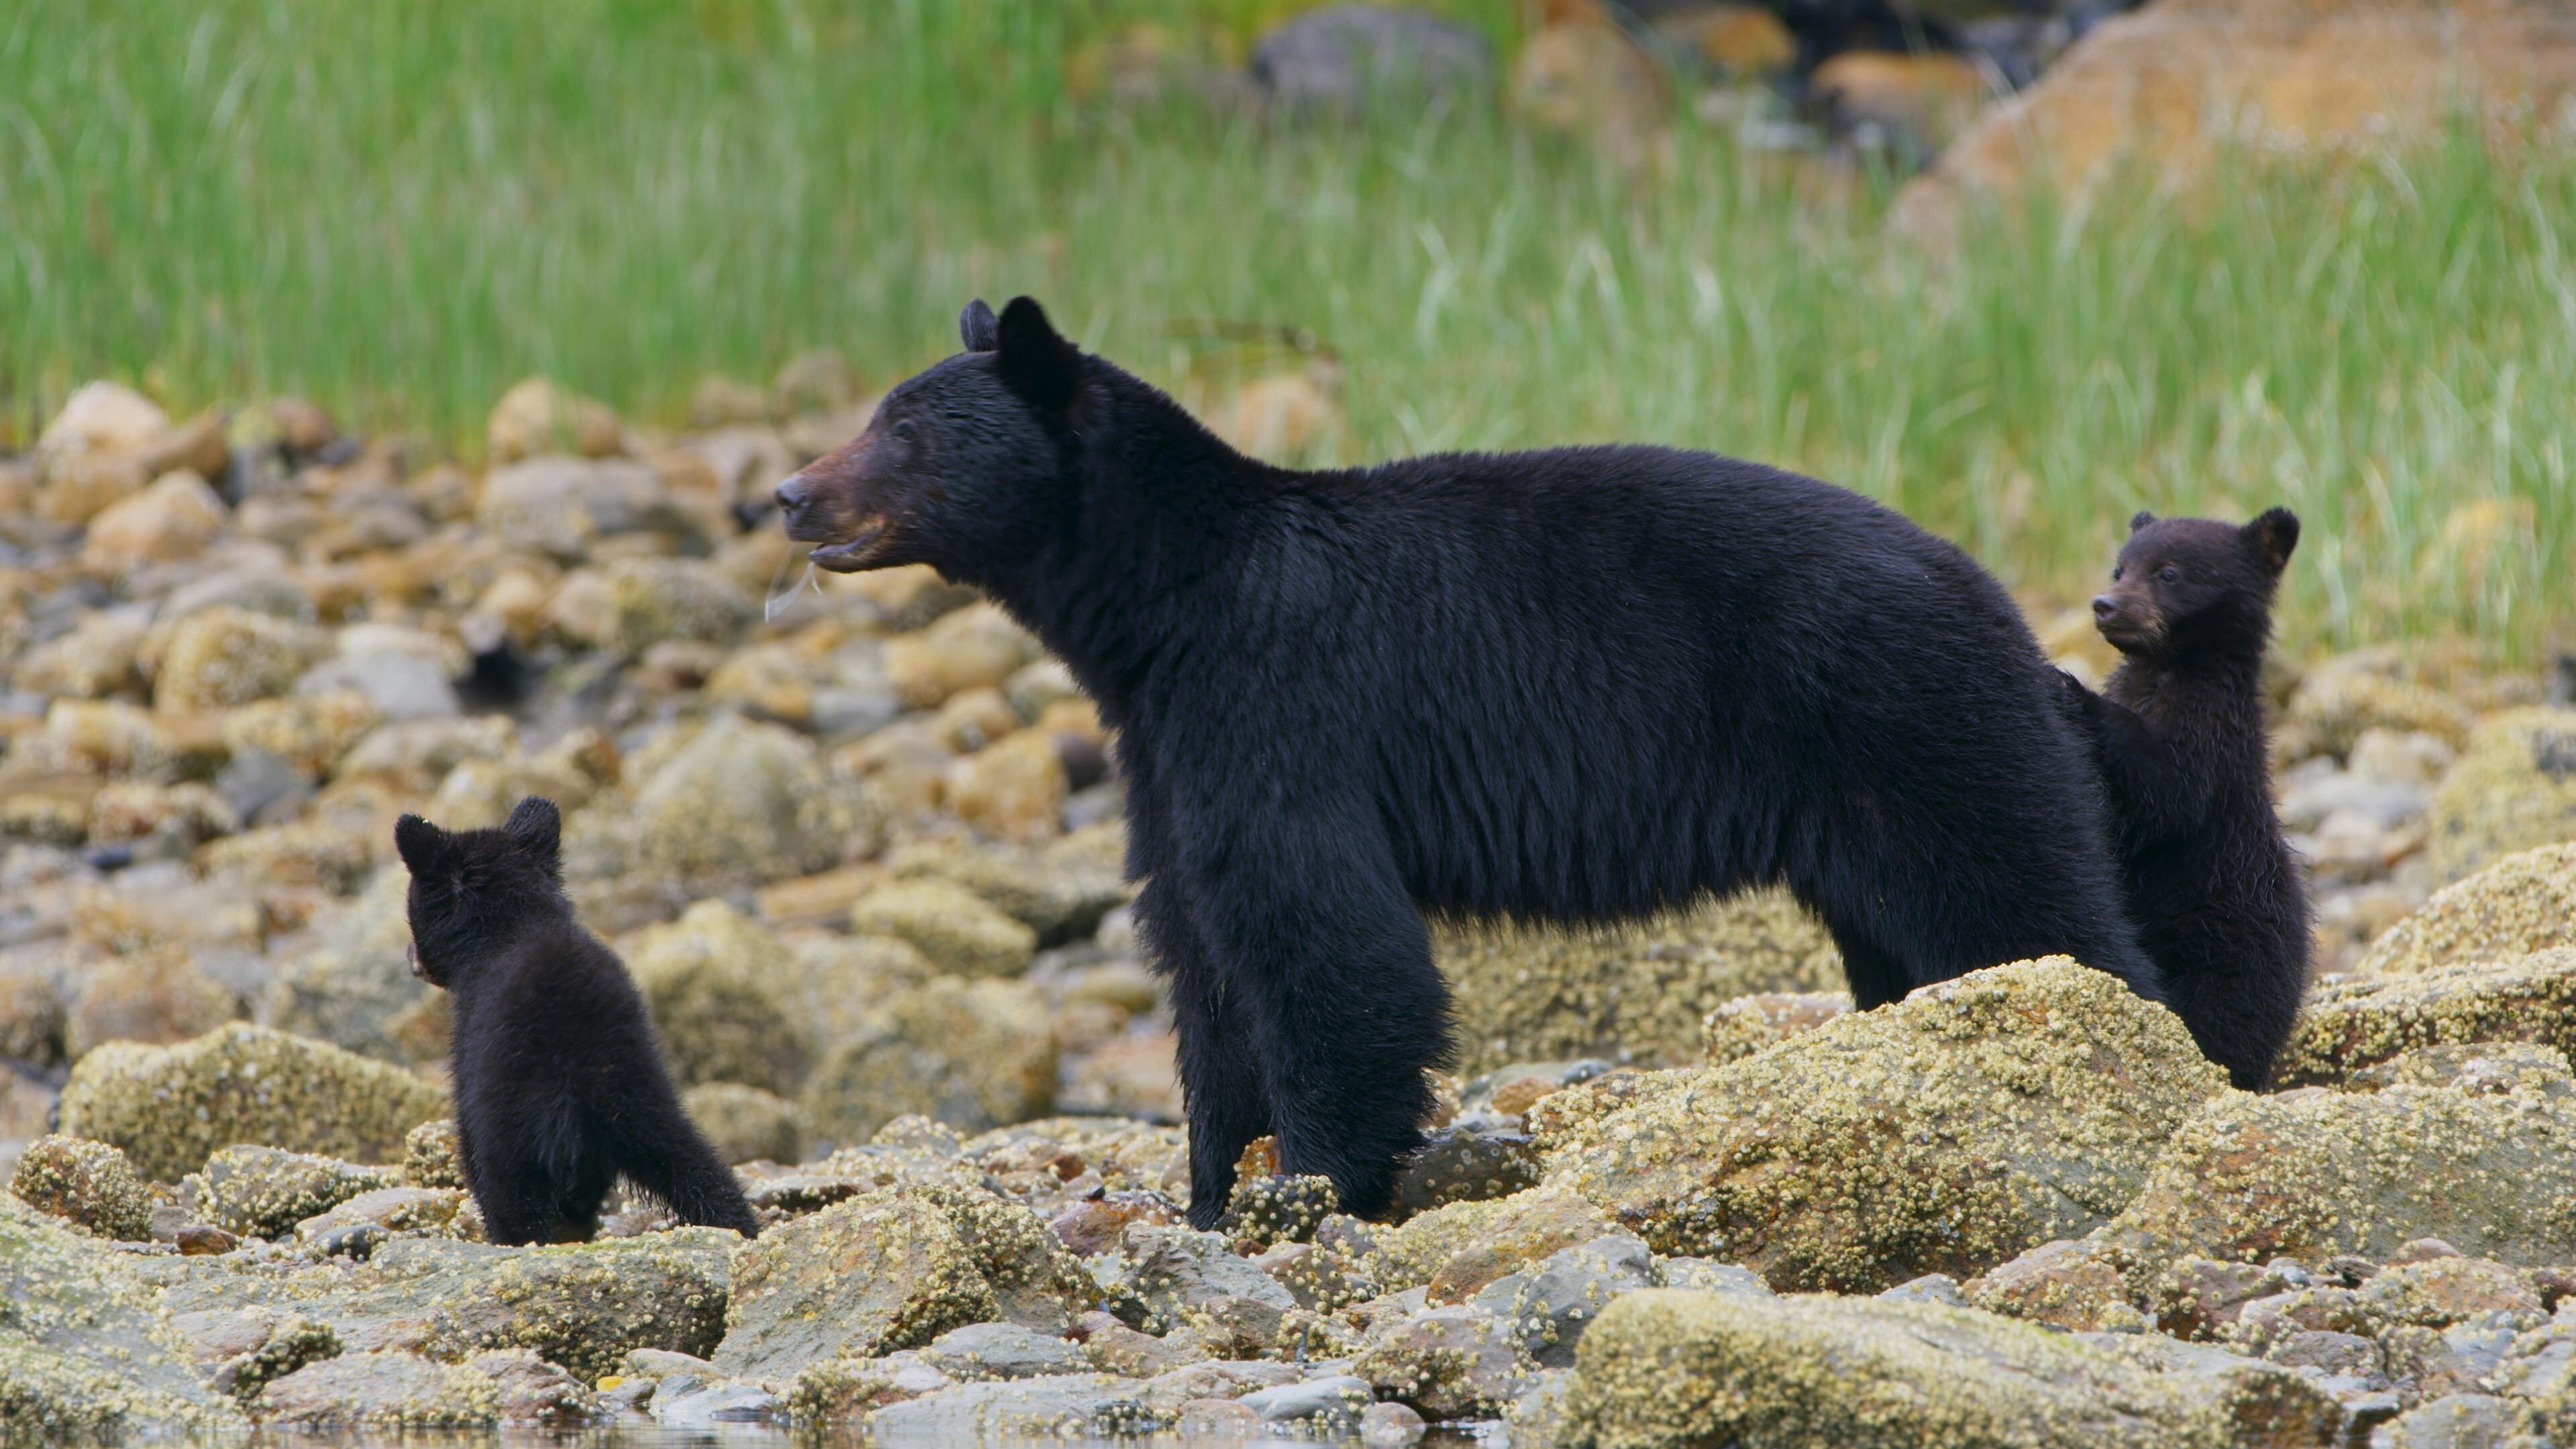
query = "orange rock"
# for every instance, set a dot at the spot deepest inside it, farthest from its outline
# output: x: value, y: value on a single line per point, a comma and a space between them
x: 2168, y: 83
x: 1926, y: 97
x: 1589, y: 79
x: 1741, y: 40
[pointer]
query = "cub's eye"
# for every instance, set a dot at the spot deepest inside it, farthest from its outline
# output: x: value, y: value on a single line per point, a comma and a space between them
x: 904, y: 431
x: 2115, y: 573
x: 2169, y: 574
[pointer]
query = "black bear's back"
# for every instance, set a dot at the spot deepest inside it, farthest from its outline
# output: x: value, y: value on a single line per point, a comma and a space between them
x: 1595, y: 682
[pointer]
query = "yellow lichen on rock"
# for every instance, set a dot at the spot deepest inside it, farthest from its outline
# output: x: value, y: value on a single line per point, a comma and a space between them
x: 1944, y: 1133
x: 2513, y: 788
x: 2352, y: 1025
x: 1637, y: 993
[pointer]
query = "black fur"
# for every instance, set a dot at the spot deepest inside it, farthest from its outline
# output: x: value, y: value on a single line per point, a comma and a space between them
x: 2179, y: 730
x: 559, y: 1083
x: 1580, y: 685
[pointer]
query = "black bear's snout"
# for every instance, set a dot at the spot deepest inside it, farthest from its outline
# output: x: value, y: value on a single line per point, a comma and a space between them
x: 2104, y: 606
x: 791, y: 494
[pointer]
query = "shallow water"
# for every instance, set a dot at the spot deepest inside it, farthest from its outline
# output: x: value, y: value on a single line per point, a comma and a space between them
x: 731, y: 1436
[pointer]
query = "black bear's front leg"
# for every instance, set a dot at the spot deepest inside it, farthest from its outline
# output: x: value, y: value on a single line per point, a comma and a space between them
x: 1220, y: 1058
x: 1313, y: 930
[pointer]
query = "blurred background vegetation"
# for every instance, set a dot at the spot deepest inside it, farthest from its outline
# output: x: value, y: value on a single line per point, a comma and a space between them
x: 400, y: 209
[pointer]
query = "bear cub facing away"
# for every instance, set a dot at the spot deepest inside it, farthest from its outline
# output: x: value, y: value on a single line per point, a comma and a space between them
x: 2179, y: 732
x: 1573, y: 685
x: 558, y: 1078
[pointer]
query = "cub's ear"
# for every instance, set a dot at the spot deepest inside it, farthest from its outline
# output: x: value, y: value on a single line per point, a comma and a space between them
x: 2140, y: 519
x: 537, y: 825
x: 2276, y: 533
x: 419, y: 843
x: 975, y: 326
x: 1036, y: 360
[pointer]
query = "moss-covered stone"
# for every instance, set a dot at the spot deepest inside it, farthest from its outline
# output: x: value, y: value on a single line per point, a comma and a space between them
x: 971, y: 1054
x: 746, y: 1124
x: 82, y: 1352
x: 713, y: 979
x: 585, y: 1305
x: 2309, y: 1174
x: 225, y: 656
x: 2523, y: 902
x: 154, y: 995
x: 1638, y: 993
x: 89, y: 1183
x: 2353, y: 1025
x: 2513, y: 788
x: 169, y: 1107
x: 1060, y: 891
x: 741, y: 804
x: 2336, y: 702
x: 653, y: 599
x: 1943, y: 1134
x: 264, y: 1192
x: 957, y: 929
x: 433, y: 1155
x: 1459, y: 1249
x: 1666, y: 1369
x: 310, y: 732
x: 1739, y: 1028
x: 883, y: 1271
x: 382, y: 1390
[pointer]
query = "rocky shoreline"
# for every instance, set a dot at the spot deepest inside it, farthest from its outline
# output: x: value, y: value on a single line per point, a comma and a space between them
x: 863, y: 859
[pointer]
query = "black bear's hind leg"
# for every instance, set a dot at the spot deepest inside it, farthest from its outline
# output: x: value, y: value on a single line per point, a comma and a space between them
x: 519, y: 1206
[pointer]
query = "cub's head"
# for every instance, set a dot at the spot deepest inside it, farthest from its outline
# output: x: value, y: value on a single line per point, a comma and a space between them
x: 963, y: 465
x: 2185, y: 583
x: 470, y: 889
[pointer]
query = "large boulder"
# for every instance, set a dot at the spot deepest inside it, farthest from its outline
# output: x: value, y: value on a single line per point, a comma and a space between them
x: 2357, y: 1024
x: 648, y: 600
x: 168, y: 1107
x: 971, y: 1054
x: 893, y: 1269
x: 2174, y: 85
x: 1942, y: 1134
x: 265, y: 1191
x: 1672, y: 1369
x: 742, y: 804
x: 958, y: 930
x: 1636, y: 993
x: 2523, y: 902
x: 714, y: 981
x: 1061, y: 891
x: 225, y: 656
x: 1342, y: 58
x: 82, y: 1353
x: 2313, y: 1173
x: 2513, y: 788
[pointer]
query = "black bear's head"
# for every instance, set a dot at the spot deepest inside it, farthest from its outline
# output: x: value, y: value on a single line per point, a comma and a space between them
x: 471, y: 889
x: 963, y: 465
x: 2185, y: 585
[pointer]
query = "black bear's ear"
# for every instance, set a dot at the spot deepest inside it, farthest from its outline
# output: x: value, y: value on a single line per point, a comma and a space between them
x: 1036, y: 360
x: 2140, y: 519
x: 975, y: 326
x: 419, y: 843
x: 537, y: 825
x: 2276, y: 533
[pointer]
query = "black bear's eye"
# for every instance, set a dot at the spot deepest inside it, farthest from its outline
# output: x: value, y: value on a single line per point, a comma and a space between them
x: 904, y: 431
x: 2169, y: 574
x: 2115, y: 573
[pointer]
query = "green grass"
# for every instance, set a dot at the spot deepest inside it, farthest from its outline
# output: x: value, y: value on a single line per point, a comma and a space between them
x: 401, y: 208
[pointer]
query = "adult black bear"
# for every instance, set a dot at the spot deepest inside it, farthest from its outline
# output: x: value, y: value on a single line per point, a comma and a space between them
x: 2179, y: 729
x: 559, y: 1083
x: 1575, y: 685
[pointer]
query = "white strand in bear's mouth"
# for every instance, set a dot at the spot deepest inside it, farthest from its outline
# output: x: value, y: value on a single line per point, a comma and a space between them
x: 782, y: 593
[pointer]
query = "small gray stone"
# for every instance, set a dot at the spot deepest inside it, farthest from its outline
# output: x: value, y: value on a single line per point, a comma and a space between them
x: 1389, y: 1426
x: 1552, y: 1301
x: 2461, y: 1421
x: 704, y: 1403
x: 1328, y: 1398
x: 401, y: 686
x: 1064, y: 1404
x: 1344, y: 57
x: 1706, y: 1275
x: 1001, y: 1351
x: 2343, y: 1355
x: 1930, y: 1288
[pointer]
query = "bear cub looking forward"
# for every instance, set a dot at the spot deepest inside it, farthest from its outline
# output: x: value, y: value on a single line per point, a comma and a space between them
x: 559, y: 1082
x: 2179, y: 731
